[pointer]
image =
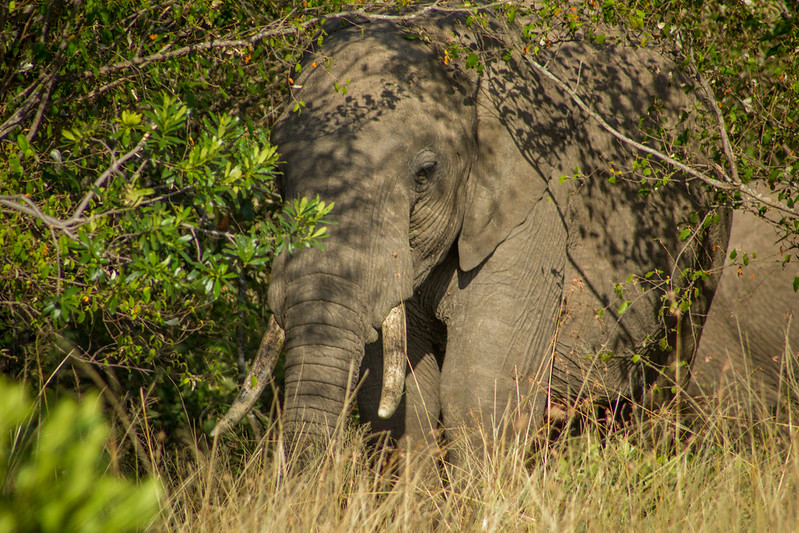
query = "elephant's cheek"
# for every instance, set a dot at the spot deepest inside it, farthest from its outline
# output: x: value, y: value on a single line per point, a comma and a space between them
x: 434, y: 226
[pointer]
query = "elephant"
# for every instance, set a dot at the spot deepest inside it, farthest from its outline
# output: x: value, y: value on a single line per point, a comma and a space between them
x: 750, y: 316
x: 527, y: 257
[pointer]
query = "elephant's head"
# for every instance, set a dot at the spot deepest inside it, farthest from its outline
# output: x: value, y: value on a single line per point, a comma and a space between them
x: 389, y: 133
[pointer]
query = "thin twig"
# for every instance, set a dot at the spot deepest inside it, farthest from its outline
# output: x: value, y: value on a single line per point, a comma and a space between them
x: 710, y: 100
x: 22, y: 111
x: 100, y: 90
x: 56, y: 248
x: 114, y: 168
x: 43, y: 101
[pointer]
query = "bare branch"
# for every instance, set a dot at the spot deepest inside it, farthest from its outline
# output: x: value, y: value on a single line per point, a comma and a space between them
x: 43, y: 101
x: 23, y: 110
x: 24, y: 205
x: 281, y: 28
x: 278, y: 29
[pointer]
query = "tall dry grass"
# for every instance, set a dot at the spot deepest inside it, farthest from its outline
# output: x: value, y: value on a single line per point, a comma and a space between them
x: 726, y: 463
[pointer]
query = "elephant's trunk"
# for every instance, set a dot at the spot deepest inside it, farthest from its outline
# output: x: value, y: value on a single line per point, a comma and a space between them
x: 319, y: 384
x: 325, y: 337
x: 394, y: 354
x: 321, y: 364
x: 324, y: 347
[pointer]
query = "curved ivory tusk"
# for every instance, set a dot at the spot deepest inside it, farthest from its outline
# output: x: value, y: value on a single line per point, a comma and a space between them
x: 257, y: 378
x: 395, y: 353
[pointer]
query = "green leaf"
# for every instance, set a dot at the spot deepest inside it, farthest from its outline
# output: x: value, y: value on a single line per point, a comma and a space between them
x: 512, y: 14
x: 472, y: 60
x: 22, y: 142
x: 129, y: 118
x: 684, y: 234
x: 133, y: 197
x: 796, y: 284
x: 217, y: 289
x: 623, y: 307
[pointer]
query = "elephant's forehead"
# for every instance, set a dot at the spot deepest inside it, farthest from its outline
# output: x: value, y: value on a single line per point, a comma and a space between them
x: 375, y: 120
x: 366, y: 118
x: 358, y: 78
x: 375, y: 49
x: 365, y: 100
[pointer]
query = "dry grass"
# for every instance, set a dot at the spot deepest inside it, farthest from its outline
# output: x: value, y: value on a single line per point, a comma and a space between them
x: 732, y: 466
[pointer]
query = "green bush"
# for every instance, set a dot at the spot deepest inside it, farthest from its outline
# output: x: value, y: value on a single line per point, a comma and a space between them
x: 147, y: 266
x: 55, y: 477
x: 138, y: 211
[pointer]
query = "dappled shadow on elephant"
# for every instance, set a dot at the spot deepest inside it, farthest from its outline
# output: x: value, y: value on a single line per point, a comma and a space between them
x: 449, y: 205
x: 622, y: 220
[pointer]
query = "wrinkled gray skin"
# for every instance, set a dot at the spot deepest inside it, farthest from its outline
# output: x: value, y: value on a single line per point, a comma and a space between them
x: 744, y: 336
x: 448, y: 197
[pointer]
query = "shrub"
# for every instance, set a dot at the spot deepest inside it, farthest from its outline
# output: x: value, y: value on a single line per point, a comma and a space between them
x: 55, y: 477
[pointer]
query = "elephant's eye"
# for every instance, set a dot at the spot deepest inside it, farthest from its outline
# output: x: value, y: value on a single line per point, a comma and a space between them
x: 425, y: 167
x: 424, y: 172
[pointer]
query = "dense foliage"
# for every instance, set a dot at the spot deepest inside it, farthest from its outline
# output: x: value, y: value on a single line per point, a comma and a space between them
x: 139, y: 216
x: 139, y: 210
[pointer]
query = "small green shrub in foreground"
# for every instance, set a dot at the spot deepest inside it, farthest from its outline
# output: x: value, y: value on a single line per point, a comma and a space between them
x: 55, y: 477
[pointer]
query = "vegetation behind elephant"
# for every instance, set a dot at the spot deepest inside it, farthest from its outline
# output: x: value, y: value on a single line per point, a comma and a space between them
x: 745, y: 333
x: 538, y: 258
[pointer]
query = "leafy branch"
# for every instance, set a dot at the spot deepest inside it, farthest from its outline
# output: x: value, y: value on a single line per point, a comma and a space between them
x: 25, y: 205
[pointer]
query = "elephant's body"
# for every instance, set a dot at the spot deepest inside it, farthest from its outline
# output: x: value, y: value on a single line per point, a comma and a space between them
x: 744, y: 337
x: 450, y: 196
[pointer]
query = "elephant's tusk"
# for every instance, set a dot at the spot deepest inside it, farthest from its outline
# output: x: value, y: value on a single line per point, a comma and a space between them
x: 259, y: 375
x: 395, y: 353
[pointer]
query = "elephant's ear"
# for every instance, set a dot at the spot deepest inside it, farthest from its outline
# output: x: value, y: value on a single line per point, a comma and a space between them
x: 503, y: 188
